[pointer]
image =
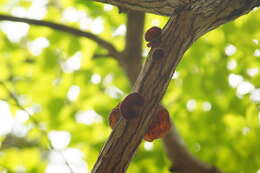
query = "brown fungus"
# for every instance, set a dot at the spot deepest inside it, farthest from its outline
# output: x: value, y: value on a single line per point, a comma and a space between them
x: 160, y: 124
x: 130, y: 106
x: 153, y: 33
x: 114, y: 116
x: 153, y: 36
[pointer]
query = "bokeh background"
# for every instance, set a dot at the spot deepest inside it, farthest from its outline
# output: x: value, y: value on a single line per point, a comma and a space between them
x: 53, y: 89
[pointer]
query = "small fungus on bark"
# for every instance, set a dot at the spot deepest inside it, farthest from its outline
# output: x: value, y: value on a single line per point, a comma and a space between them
x: 153, y: 33
x: 130, y: 106
x: 153, y: 36
x: 159, y: 126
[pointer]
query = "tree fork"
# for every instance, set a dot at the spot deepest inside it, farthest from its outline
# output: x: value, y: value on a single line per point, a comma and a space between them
x: 151, y: 83
x: 177, y: 36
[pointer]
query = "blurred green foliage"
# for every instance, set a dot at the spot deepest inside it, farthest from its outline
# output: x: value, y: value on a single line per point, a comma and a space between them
x: 213, y: 97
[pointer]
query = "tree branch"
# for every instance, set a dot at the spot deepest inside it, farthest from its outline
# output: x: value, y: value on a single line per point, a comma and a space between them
x: 105, y: 44
x: 165, y: 8
x: 131, y: 63
x: 12, y: 141
x: 170, y: 7
x: 151, y: 84
x: 182, y: 160
x: 132, y: 54
x: 178, y: 35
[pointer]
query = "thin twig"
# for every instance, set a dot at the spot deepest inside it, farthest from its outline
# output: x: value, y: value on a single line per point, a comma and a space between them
x: 105, y: 44
x: 97, y: 56
x: 35, y: 122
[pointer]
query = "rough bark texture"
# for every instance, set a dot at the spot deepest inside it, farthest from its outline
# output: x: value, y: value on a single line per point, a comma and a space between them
x: 182, y: 29
x: 161, y: 7
x: 172, y: 7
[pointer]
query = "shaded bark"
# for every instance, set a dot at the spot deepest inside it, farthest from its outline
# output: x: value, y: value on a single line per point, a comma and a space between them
x: 161, y: 7
x: 172, y: 7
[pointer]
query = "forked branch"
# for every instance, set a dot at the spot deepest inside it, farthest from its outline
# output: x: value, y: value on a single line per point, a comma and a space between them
x: 178, y: 35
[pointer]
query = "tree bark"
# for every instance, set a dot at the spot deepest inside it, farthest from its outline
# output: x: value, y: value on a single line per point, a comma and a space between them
x: 161, y: 7
x: 171, y: 7
x: 182, y: 29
